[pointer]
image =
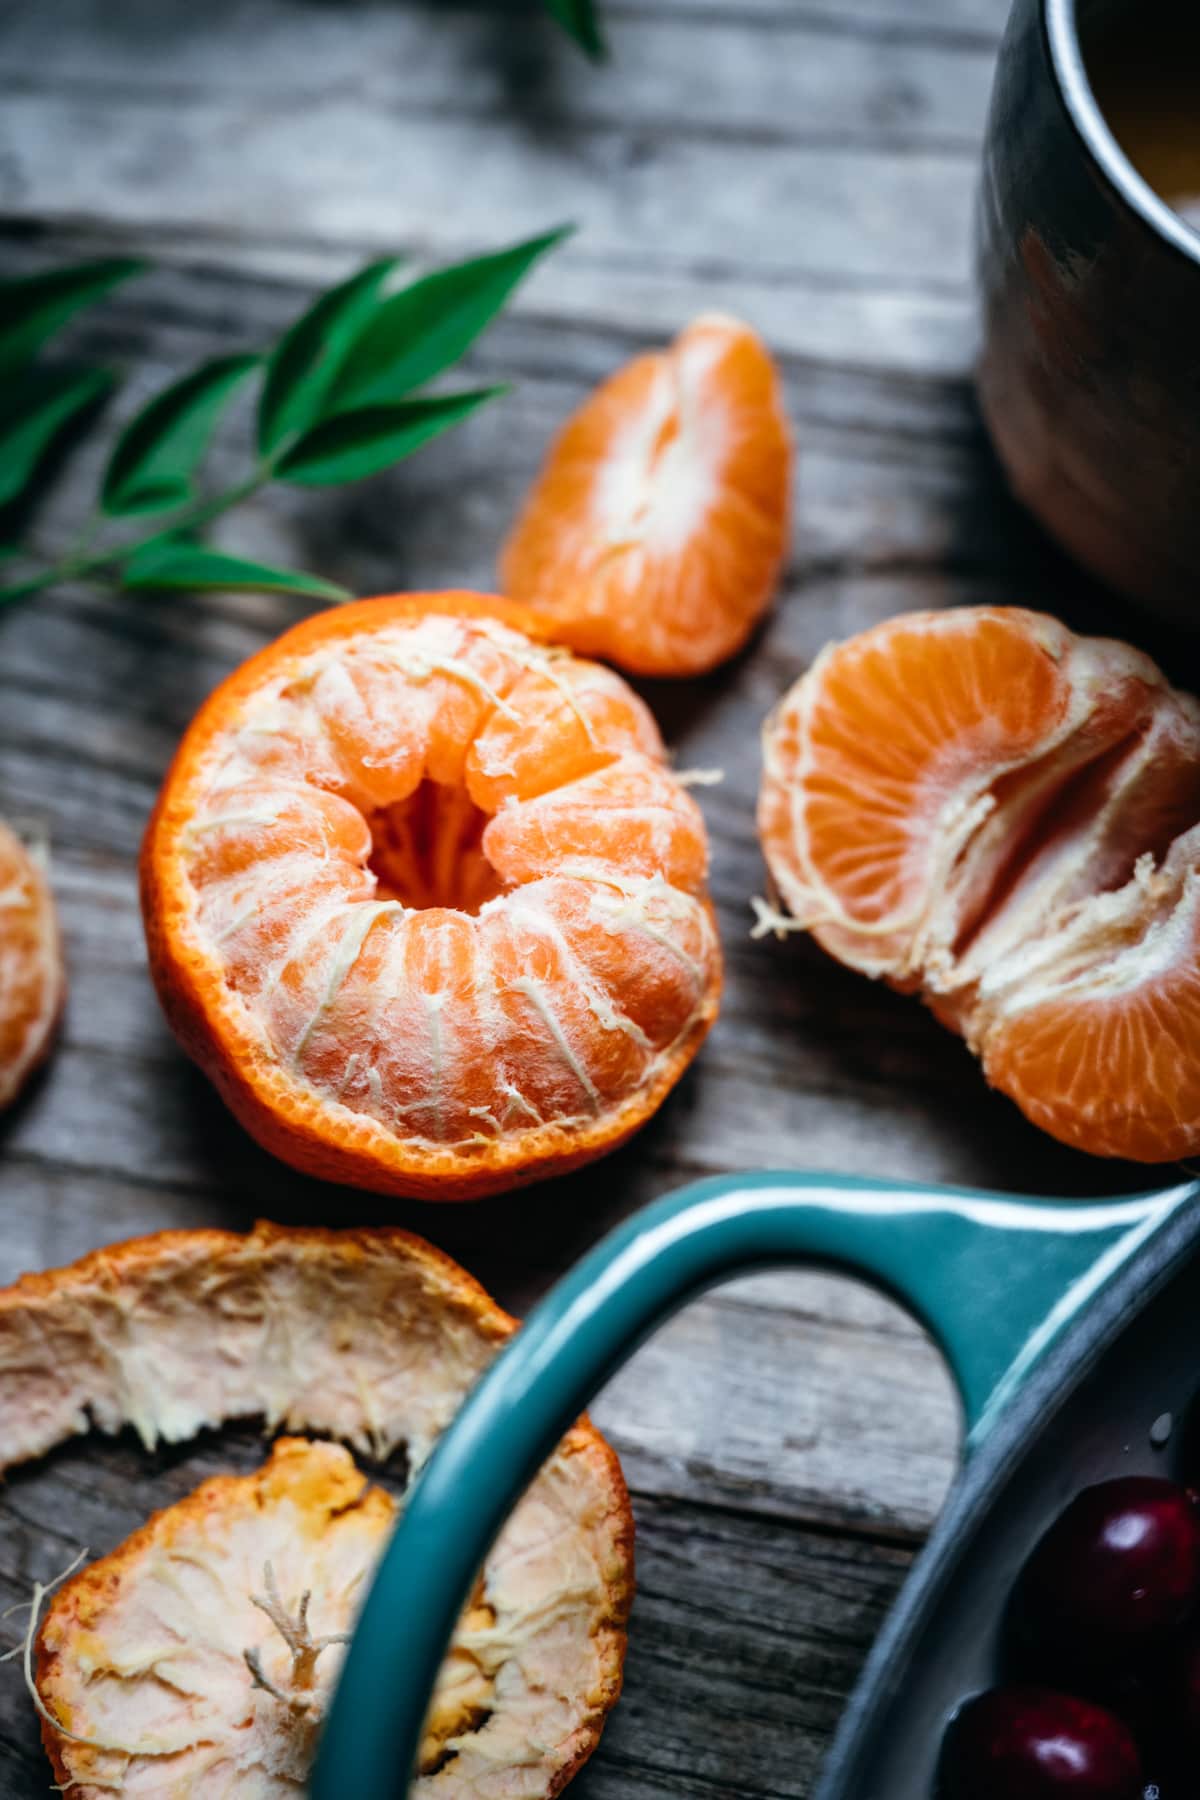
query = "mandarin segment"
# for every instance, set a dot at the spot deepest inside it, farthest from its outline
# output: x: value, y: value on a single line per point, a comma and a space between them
x: 374, y: 952
x: 655, y: 532
x: 1102, y: 1005
x: 623, y: 819
x: 986, y: 808
x: 32, y: 980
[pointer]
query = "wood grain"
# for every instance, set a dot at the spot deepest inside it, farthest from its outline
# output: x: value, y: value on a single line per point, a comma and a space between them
x: 810, y: 165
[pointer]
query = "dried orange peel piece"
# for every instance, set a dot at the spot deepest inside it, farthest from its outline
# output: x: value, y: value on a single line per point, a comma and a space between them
x: 986, y: 808
x: 656, y: 531
x: 32, y: 981
x: 371, y: 1337
x: 424, y: 899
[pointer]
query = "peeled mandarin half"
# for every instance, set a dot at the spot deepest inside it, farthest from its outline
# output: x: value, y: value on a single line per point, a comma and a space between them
x: 655, y: 533
x: 987, y: 809
x: 424, y: 899
x: 189, y: 1661
x: 32, y: 981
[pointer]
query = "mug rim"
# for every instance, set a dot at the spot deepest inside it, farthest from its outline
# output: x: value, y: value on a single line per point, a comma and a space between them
x: 1060, y: 18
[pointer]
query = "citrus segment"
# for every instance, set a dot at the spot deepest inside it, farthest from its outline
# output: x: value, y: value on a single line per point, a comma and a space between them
x: 986, y: 808
x: 375, y: 882
x: 1096, y: 1029
x: 32, y: 981
x: 623, y: 819
x: 655, y: 532
x: 372, y: 1337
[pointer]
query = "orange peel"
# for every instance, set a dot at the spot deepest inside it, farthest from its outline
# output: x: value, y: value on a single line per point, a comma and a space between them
x: 424, y: 899
x: 188, y: 1660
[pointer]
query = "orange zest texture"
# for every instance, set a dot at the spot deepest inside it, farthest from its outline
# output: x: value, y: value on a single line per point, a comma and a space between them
x: 983, y: 807
x: 32, y: 982
x: 425, y: 901
x: 655, y: 533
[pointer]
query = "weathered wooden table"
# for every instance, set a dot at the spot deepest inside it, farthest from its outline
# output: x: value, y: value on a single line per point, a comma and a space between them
x: 810, y: 165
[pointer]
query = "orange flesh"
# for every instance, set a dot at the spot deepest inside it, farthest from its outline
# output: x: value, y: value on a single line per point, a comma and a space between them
x: 423, y: 897
x: 984, y: 807
x: 655, y: 533
x: 31, y: 969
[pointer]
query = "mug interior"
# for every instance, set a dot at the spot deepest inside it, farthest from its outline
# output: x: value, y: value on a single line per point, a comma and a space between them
x: 1067, y: 23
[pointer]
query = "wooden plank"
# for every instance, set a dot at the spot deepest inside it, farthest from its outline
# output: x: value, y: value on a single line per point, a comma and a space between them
x: 821, y: 317
x: 787, y: 81
x: 194, y: 138
x: 328, y: 170
x: 736, y: 1618
x: 743, y: 1643
x: 954, y: 21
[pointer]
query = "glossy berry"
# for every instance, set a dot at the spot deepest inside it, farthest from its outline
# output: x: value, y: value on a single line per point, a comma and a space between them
x: 1118, y: 1570
x: 1034, y: 1744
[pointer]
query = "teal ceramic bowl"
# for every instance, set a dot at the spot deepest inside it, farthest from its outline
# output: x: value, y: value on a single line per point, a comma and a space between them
x: 1069, y: 1327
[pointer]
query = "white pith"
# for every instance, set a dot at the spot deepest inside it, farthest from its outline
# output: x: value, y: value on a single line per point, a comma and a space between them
x: 369, y: 1338
x: 654, y: 496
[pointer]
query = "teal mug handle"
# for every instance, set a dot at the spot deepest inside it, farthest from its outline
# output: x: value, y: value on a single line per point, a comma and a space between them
x: 994, y: 1279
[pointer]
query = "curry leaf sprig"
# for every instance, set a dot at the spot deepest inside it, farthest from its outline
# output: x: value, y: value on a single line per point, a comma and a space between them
x: 341, y: 397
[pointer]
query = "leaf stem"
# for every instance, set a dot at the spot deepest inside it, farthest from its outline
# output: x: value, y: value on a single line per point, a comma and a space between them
x: 80, y: 564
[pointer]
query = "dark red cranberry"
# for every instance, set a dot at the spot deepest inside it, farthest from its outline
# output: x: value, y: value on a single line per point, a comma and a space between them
x: 1118, y: 1570
x: 1033, y: 1744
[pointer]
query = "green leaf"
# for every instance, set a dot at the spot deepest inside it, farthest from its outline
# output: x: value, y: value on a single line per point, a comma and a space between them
x: 579, y: 18
x: 423, y: 329
x: 33, y: 308
x: 158, y: 455
x: 309, y: 355
x: 356, y: 444
x: 41, y: 406
x: 20, y: 591
x: 172, y: 562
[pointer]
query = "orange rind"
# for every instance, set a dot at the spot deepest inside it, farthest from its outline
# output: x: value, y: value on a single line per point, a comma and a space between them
x: 370, y: 1337
x: 424, y: 899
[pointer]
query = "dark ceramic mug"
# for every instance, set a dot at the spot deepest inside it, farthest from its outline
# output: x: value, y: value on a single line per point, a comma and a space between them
x: 1090, y: 371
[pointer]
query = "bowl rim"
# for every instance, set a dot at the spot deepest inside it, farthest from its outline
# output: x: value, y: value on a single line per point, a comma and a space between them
x: 983, y: 1476
x: 1061, y: 23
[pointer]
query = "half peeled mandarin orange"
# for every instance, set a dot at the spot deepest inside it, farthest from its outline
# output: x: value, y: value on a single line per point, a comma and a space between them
x: 424, y: 899
x: 984, y: 807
